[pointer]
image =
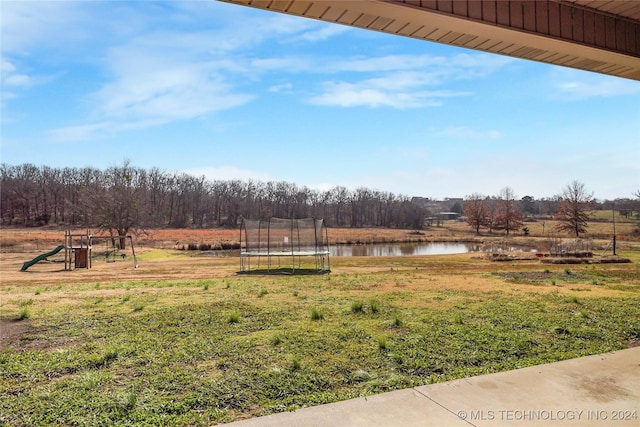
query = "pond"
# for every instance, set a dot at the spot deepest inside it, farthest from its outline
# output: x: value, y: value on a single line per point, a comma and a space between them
x: 400, y: 249
x: 395, y: 249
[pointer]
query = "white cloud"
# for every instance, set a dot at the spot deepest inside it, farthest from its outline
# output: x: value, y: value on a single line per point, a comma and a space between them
x: 322, y: 186
x: 81, y: 132
x: 460, y: 66
x: 284, y: 87
x: 11, y: 77
x: 224, y: 173
x: 374, y: 93
x: 401, y: 81
x: 324, y: 32
x: 166, y: 90
x: 44, y: 21
x: 577, y: 85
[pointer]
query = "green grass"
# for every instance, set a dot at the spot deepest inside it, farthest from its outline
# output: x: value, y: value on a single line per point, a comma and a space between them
x: 25, y: 313
x: 205, y: 352
x: 317, y: 313
x: 234, y: 317
x: 357, y: 307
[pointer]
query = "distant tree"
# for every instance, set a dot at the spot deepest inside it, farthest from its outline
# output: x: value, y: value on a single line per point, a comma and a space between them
x: 477, y: 211
x: 456, y: 207
x: 528, y: 205
x: 572, y: 213
x: 508, y: 216
x: 117, y: 204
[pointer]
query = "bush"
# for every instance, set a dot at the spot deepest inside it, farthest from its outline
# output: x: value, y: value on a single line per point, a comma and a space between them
x: 357, y: 307
x: 24, y: 313
x: 234, y: 317
x: 374, y: 305
x: 317, y: 314
x: 382, y: 343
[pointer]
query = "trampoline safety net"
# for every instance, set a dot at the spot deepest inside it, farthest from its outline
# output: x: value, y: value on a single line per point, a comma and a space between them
x: 280, y: 244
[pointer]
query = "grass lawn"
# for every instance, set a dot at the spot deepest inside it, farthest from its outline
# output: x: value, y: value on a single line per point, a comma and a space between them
x: 184, y: 340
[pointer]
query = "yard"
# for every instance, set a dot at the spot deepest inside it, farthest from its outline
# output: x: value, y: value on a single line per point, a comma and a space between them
x: 185, y: 340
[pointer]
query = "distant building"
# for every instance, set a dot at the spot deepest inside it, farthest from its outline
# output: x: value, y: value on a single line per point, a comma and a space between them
x: 449, y: 215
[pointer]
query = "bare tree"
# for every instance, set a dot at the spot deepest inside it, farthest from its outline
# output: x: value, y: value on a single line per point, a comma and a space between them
x: 572, y: 213
x: 477, y: 212
x: 508, y: 216
x: 118, y: 204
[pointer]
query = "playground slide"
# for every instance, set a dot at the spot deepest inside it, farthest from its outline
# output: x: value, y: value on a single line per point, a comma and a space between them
x: 41, y: 257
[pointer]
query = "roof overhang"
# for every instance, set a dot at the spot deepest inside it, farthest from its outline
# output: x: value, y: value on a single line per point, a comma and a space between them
x: 593, y: 35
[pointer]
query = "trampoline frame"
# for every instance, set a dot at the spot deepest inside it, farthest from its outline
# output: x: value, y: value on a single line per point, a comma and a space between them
x: 291, y: 246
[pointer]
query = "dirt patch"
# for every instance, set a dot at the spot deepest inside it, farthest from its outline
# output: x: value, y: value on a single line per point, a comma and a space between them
x: 12, y: 331
x: 581, y: 260
x: 538, y: 276
x: 24, y: 335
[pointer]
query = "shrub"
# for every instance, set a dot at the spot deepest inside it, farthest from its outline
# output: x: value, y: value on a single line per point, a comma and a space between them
x: 24, y: 313
x: 234, y: 317
x: 374, y: 305
x: 382, y: 343
x: 357, y: 307
x: 317, y: 314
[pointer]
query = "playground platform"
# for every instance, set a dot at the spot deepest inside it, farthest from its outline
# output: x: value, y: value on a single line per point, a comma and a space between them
x: 599, y: 390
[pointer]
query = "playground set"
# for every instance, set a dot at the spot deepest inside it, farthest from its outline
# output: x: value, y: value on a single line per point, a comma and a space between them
x: 78, y: 250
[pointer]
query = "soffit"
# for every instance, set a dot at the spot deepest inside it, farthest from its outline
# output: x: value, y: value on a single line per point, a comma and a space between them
x: 515, y: 33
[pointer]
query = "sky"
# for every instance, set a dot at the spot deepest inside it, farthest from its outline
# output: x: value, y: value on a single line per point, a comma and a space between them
x: 230, y: 92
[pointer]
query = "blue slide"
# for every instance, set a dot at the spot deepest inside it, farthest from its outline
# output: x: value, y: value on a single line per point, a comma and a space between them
x: 41, y: 257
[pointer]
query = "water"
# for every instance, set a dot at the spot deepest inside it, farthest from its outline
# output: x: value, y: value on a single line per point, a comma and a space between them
x: 394, y: 249
x: 406, y: 249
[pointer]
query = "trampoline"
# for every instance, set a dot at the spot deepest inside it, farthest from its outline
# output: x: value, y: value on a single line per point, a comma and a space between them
x: 280, y: 245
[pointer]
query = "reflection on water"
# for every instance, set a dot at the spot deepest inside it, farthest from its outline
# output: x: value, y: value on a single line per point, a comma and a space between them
x: 398, y: 249
x: 395, y: 249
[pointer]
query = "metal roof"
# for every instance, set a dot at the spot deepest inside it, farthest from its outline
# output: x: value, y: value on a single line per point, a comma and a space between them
x: 594, y: 35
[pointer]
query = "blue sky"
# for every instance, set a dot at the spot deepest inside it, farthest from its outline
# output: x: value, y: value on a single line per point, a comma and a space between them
x: 232, y: 92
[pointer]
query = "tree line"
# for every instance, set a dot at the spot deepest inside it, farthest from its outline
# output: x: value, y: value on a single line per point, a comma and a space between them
x: 570, y: 209
x: 124, y: 197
